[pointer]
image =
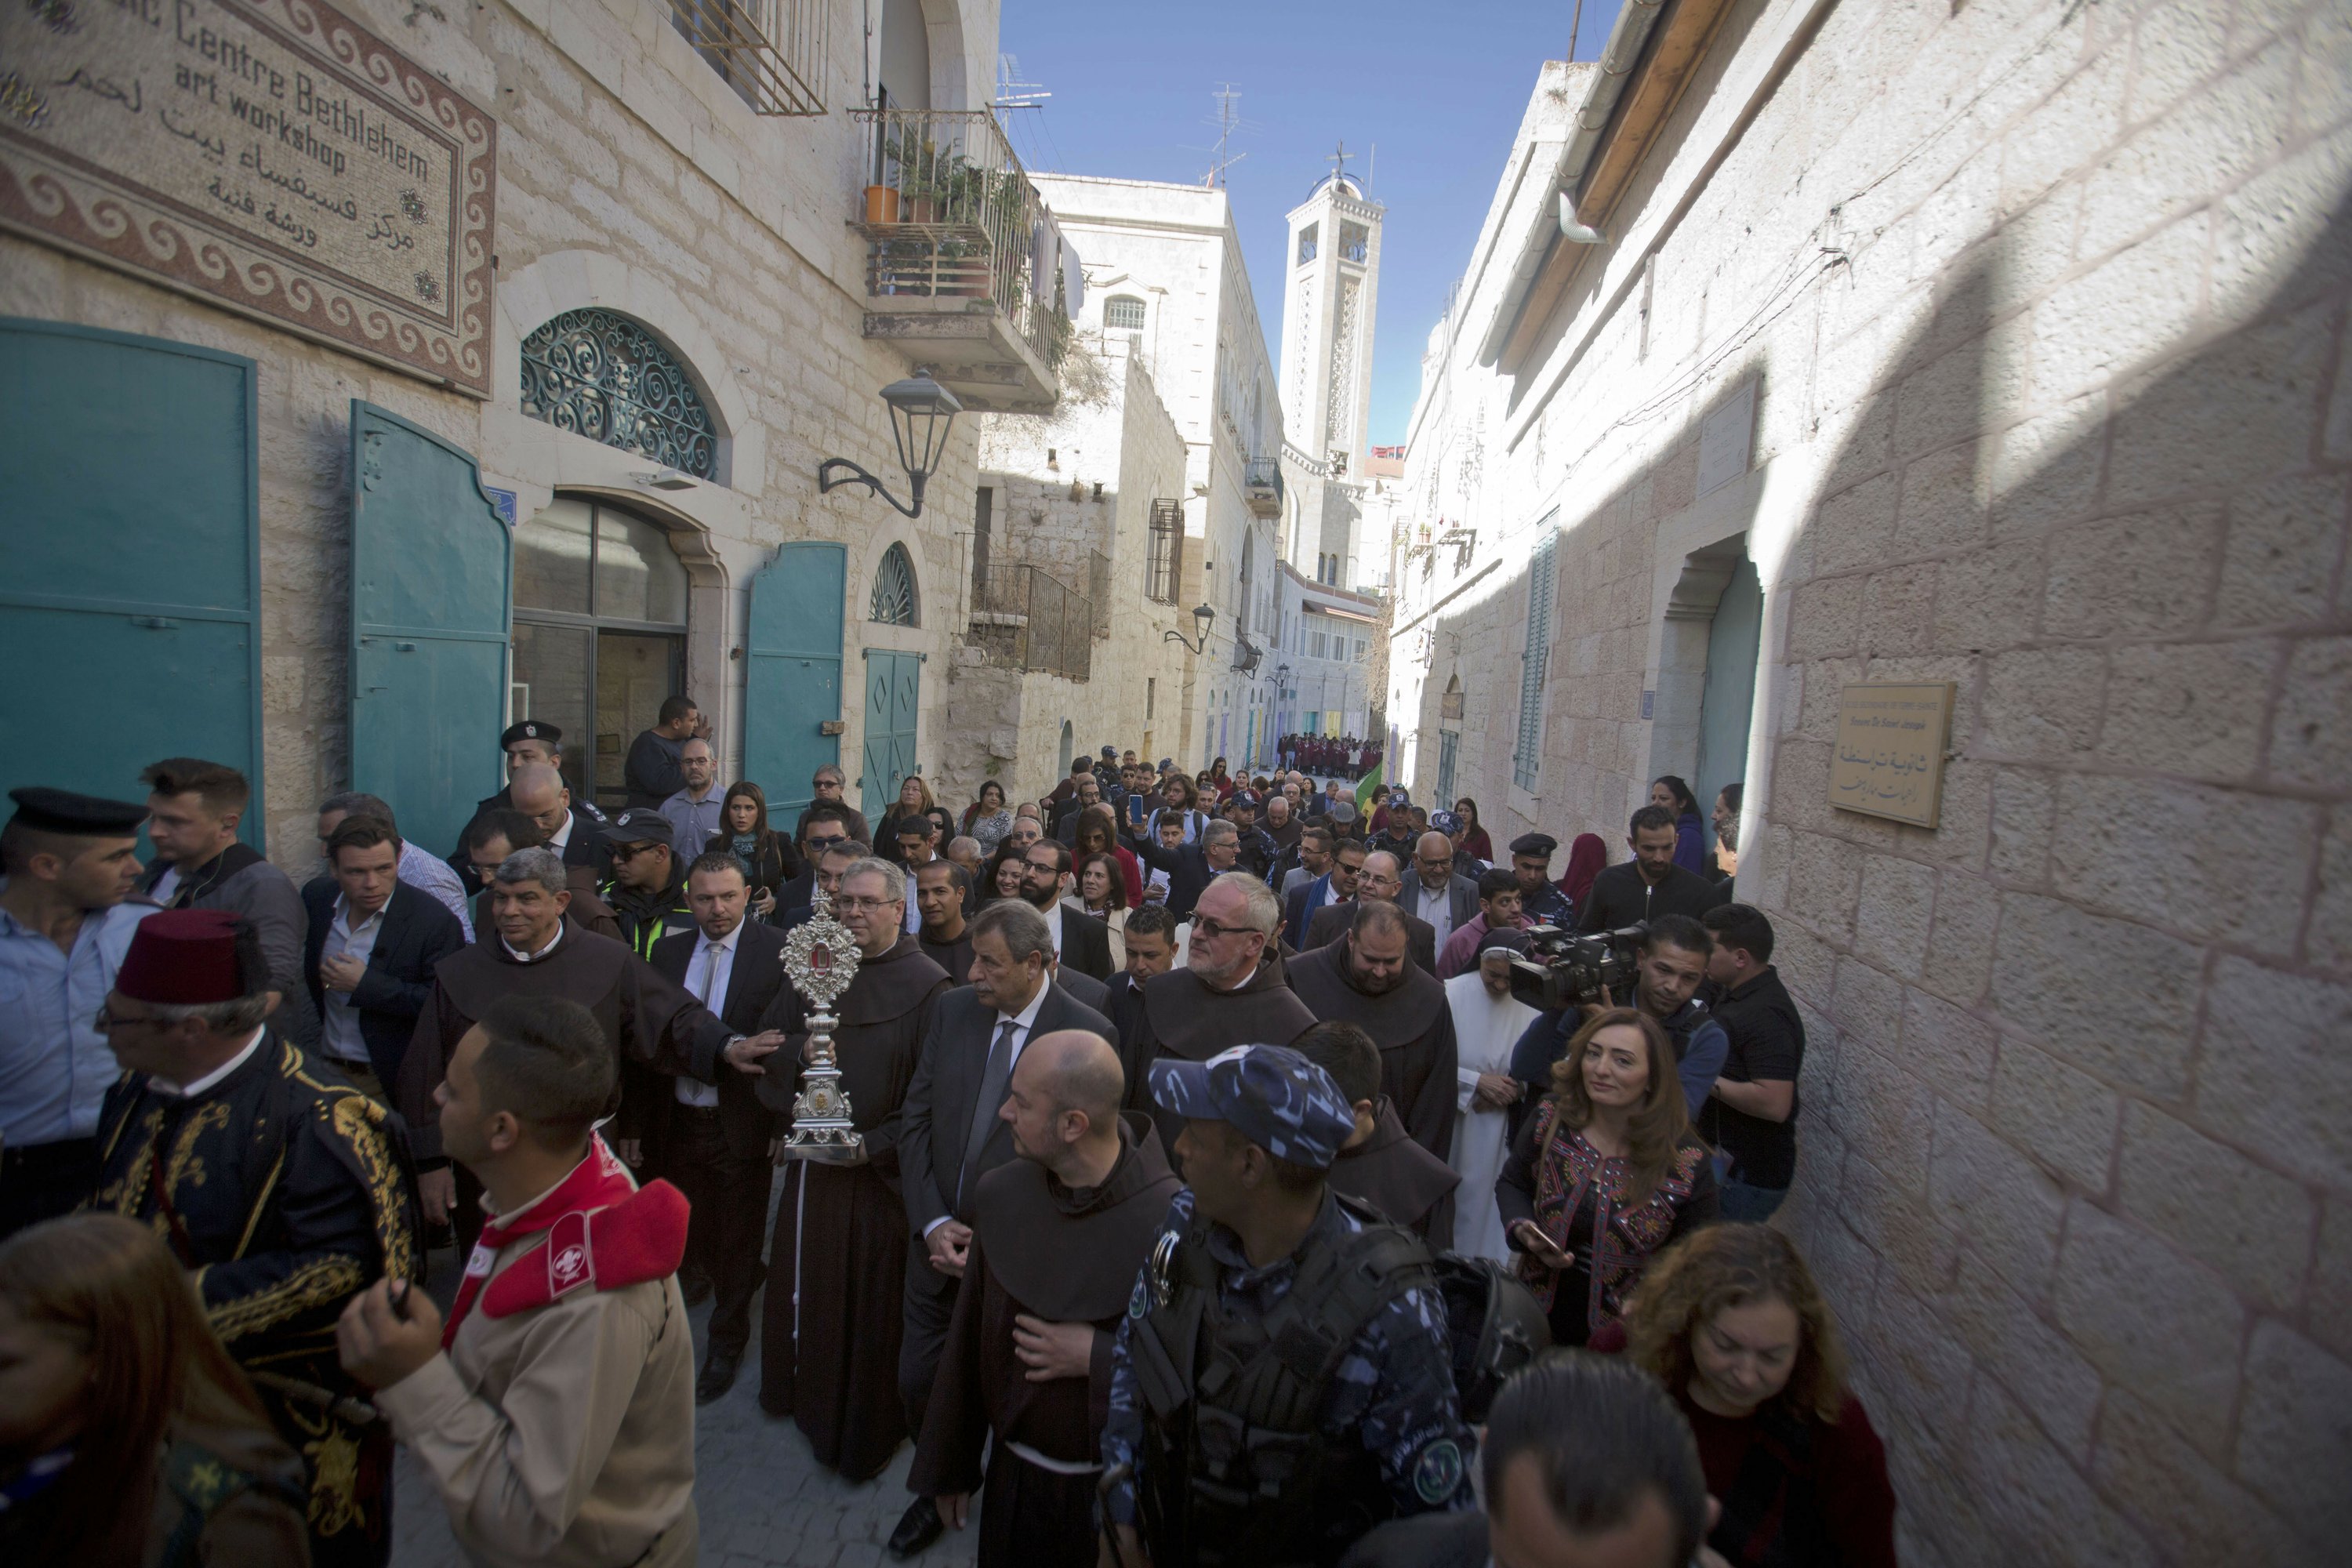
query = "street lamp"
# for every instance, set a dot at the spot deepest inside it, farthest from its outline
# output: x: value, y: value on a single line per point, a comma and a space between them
x: 922, y: 412
x: 1201, y: 614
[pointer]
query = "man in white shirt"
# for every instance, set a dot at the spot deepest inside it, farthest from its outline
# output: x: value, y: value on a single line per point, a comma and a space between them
x: 693, y: 812
x: 540, y: 794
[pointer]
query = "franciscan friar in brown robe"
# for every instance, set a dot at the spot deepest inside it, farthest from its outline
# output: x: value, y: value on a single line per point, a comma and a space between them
x: 1397, y: 1176
x: 1067, y: 1256
x: 1412, y: 1025
x: 1184, y: 1015
x: 837, y: 1262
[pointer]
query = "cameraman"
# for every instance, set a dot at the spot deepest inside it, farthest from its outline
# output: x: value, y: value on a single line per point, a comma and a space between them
x: 1671, y: 961
x: 1752, y: 1119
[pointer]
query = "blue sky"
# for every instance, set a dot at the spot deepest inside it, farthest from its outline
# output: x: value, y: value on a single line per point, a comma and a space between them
x: 1437, y: 89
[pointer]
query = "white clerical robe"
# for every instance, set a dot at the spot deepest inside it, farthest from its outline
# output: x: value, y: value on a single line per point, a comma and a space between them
x: 1486, y: 1027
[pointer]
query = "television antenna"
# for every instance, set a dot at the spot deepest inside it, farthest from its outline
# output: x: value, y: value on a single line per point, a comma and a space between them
x: 1012, y: 93
x: 1227, y: 122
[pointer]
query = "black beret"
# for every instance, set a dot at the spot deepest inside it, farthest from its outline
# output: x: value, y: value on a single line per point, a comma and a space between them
x: 89, y: 816
x: 1534, y: 844
x: 531, y: 730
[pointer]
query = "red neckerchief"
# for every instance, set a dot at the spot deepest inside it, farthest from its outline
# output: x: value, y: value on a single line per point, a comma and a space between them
x: 598, y: 1182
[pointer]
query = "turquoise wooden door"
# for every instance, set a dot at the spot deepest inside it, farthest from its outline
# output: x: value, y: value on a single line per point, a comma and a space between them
x: 130, y: 560
x: 894, y: 688
x: 792, y: 686
x: 432, y: 566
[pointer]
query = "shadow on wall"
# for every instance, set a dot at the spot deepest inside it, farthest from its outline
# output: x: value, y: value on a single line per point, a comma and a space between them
x: 2077, y: 1092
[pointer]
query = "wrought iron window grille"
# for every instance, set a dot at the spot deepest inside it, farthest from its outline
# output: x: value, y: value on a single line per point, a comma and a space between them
x: 893, y: 602
x: 772, y: 52
x: 601, y: 375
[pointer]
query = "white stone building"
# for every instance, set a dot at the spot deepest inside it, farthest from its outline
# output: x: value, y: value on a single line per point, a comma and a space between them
x: 1164, y: 270
x: 306, y: 518
x: 1321, y: 660
x: 1077, y: 577
x: 1999, y: 345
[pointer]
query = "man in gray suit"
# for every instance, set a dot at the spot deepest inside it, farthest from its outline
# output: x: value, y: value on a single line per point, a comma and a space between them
x: 950, y: 1135
x: 1435, y: 893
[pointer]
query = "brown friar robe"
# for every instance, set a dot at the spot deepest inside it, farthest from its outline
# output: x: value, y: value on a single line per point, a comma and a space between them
x: 834, y: 1310
x: 1410, y: 1185
x: 955, y: 957
x: 651, y: 1021
x: 1183, y: 1015
x: 1067, y: 1256
x: 1411, y: 1024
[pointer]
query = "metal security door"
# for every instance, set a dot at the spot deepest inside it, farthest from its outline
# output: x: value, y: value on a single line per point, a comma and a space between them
x: 130, y: 560
x: 893, y: 697
x: 431, y: 570
x: 792, y: 686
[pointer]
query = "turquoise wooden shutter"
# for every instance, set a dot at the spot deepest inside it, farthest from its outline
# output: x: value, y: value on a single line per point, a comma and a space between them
x: 431, y: 570
x: 1527, y: 755
x: 792, y: 686
x: 893, y: 698
x: 130, y: 560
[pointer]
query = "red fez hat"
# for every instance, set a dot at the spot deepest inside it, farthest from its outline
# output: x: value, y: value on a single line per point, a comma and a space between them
x: 192, y: 957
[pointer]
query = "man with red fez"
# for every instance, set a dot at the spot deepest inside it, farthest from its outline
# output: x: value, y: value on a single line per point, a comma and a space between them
x: 1368, y: 978
x: 281, y: 1188
x: 1057, y: 1238
x: 554, y: 1410
x: 532, y: 951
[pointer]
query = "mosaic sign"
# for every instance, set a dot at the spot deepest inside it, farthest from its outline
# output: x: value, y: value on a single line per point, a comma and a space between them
x: 1889, y: 758
x: 270, y: 155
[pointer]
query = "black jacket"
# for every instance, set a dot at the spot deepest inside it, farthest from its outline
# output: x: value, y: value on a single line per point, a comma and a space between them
x: 753, y: 982
x: 1620, y: 898
x: 418, y: 932
x: 1086, y: 944
x: 935, y: 1119
x: 1188, y: 868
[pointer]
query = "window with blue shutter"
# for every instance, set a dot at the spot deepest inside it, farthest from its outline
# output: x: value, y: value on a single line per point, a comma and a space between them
x: 1526, y: 757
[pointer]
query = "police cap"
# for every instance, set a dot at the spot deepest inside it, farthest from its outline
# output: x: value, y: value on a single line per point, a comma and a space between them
x: 1271, y: 1095
x: 1541, y: 844
x: 640, y: 825
x: 62, y: 811
x: 539, y: 730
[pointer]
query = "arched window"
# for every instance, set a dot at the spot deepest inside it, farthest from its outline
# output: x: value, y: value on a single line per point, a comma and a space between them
x: 1123, y: 313
x: 603, y: 376
x: 894, y: 589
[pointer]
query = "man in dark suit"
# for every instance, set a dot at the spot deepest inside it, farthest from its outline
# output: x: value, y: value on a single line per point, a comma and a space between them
x: 1336, y: 886
x: 1191, y: 868
x: 1435, y: 892
x: 823, y: 825
x: 950, y: 1135
x: 1082, y: 942
x: 370, y: 951
x: 1649, y: 885
x: 1382, y: 880
x: 540, y: 795
x: 715, y: 1145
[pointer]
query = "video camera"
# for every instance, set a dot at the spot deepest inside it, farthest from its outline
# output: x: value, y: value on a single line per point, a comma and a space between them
x: 1563, y: 969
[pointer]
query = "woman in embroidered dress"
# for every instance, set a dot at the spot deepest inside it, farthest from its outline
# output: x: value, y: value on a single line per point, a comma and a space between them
x: 987, y: 819
x: 127, y: 1436
x: 1604, y: 1176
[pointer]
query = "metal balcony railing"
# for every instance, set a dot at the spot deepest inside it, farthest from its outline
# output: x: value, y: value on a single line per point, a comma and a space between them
x: 1024, y: 619
x: 949, y: 213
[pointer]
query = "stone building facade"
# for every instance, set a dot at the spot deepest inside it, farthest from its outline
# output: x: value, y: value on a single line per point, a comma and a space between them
x: 1071, y: 503
x: 1999, y: 345
x: 634, y: 181
x: 1164, y: 270
x: 1322, y: 659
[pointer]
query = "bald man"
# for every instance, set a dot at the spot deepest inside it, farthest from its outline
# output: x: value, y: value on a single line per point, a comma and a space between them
x: 1057, y: 1239
x: 540, y: 794
x: 1446, y: 902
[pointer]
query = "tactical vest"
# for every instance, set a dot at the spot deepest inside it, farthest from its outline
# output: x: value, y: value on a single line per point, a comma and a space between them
x: 1235, y: 1468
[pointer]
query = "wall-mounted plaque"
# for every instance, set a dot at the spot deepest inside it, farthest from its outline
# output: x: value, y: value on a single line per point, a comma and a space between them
x: 270, y: 155
x: 1889, y: 760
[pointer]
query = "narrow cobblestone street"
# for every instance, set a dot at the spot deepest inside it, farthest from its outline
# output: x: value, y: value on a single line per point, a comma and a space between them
x: 763, y: 1499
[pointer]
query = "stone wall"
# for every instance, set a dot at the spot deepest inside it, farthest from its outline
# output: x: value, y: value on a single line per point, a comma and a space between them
x: 2044, y: 307
x: 633, y: 178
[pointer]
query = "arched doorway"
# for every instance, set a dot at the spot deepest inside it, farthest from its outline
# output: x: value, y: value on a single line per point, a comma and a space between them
x: 894, y: 685
x: 599, y: 635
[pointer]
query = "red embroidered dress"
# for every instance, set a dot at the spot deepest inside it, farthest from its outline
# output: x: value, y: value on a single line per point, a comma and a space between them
x: 1577, y: 1195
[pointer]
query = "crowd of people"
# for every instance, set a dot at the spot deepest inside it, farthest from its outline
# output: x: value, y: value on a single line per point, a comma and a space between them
x: 1338, y: 756
x: 1213, y: 1189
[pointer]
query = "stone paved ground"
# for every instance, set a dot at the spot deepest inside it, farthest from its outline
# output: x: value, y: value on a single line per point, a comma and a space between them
x: 763, y: 1499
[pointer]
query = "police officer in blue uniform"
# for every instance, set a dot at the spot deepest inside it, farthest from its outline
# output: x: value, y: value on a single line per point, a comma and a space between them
x: 1541, y: 903
x: 1282, y: 1381
x: 525, y: 742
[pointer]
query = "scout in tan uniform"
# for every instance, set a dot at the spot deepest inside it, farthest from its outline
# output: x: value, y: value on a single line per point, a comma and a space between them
x: 555, y: 1413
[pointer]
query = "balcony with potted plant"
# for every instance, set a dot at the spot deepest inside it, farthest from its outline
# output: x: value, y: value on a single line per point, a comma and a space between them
x: 962, y: 264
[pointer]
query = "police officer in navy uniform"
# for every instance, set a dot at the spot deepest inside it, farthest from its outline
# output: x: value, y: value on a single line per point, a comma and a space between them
x: 1282, y: 1381
x: 1541, y: 903
x: 524, y: 742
